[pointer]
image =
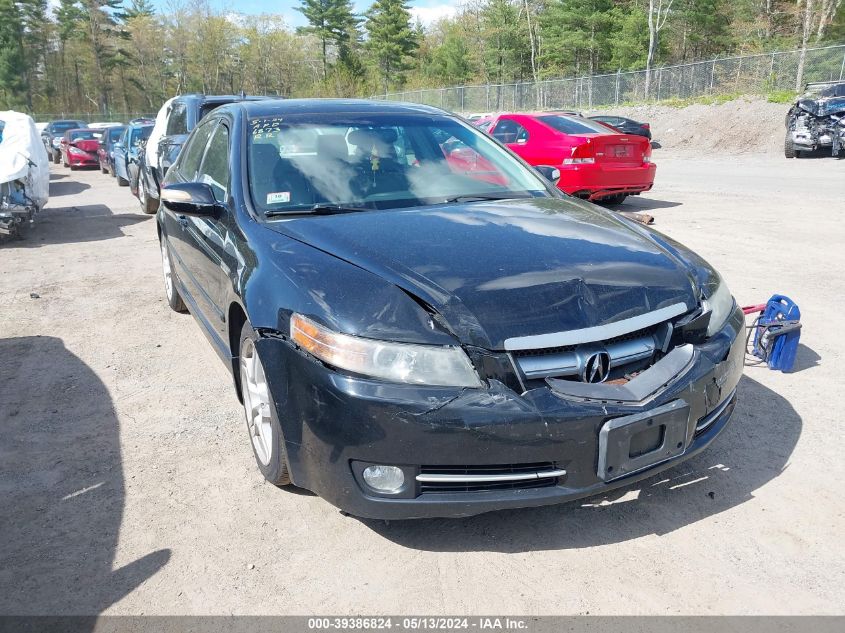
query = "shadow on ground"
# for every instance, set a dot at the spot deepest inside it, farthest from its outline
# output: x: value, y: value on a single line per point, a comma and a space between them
x: 61, y: 486
x: 805, y: 358
x: 754, y: 449
x: 638, y: 203
x: 67, y: 188
x: 65, y: 225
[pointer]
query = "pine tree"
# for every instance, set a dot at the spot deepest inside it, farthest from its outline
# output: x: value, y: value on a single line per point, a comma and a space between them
x: 333, y: 23
x: 12, y: 67
x: 391, y: 40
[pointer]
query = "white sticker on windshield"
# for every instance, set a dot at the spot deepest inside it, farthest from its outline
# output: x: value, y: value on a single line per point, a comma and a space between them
x: 278, y: 196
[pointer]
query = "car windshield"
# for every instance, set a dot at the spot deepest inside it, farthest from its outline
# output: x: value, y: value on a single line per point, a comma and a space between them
x: 141, y: 134
x: 378, y: 162
x: 572, y: 124
x: 61, y: 126
x: 85, y: 135
x: 114, y: 133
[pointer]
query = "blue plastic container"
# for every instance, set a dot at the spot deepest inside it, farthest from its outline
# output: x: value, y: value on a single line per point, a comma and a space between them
x: 779, y: 309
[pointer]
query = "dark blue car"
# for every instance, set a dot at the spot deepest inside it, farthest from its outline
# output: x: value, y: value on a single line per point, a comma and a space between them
x: 126, y: 150
x: 419, y: 324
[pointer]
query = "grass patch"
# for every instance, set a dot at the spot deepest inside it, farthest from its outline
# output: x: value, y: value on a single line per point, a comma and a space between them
x: 781, y: 96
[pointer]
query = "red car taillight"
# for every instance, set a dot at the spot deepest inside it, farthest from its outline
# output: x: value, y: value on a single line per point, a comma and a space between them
x: 647, y: 152
x: 581, y: 154
x: 646, y: 126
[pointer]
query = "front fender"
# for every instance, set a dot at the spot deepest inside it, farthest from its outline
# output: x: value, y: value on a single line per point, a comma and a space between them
x: 288, y: 276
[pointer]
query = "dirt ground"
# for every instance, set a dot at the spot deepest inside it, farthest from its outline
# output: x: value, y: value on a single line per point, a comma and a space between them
x: 128, y: 486
x: 748, y: 125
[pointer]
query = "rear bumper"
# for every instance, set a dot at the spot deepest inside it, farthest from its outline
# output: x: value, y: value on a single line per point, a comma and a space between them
x: 600, y: 180
x: 334, y: 425
x: 82, y: 161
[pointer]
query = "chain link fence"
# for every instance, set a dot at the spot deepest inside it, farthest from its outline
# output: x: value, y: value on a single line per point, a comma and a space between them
x: 749, y: 74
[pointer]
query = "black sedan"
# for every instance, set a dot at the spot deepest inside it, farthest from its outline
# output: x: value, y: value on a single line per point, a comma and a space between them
x: 626, y: 126
x: 419, y: 324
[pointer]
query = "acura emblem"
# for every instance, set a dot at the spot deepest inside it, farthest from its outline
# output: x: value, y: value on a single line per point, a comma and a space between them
x: 596, y: 368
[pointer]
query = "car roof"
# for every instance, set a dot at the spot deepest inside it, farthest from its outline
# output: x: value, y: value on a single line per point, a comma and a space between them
x: 272, y: 107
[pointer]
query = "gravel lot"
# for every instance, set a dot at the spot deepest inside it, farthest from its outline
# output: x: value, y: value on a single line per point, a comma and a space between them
x: 128, y: 486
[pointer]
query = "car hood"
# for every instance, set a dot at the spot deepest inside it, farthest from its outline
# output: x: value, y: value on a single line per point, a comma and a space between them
x: 504, y: 269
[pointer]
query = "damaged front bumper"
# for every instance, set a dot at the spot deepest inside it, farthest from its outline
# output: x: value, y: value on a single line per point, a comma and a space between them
x: 464, y: 452
x: 17, y: 210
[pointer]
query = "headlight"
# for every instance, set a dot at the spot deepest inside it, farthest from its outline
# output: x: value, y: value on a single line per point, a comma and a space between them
x: 396, y: 362
x: 720, y: 303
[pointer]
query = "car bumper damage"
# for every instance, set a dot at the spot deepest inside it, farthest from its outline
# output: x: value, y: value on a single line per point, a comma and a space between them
x: 512, y: 444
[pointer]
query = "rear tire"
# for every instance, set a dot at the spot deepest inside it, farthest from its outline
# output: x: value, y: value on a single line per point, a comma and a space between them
x: 789, y: 148
x: 57, y: 158
x: 148, y: 205
x: 122, y: 182
x: 619, y: 198
x: 174, y: 299
x: 104, y: 169
x: 262, y: 420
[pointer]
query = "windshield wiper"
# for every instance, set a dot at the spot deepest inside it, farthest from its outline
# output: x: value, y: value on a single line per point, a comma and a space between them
x: 317, y: 209
x: 511, y: 195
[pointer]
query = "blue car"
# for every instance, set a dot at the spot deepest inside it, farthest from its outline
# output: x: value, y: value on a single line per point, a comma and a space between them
x: 126, y: 150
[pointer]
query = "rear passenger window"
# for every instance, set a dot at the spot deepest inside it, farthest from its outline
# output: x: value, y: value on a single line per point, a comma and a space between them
x: 192, y: 154
x: 507, y: 131
x: 215, y: 166
x: 178, y: 121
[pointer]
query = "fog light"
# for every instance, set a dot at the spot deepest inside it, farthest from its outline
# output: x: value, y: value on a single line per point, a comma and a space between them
x: 384, y: 478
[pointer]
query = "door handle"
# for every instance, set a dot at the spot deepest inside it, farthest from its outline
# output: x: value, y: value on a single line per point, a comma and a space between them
x: 183, y: 221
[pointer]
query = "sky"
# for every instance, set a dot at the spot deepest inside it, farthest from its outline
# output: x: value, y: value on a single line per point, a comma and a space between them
x: 427, y: 11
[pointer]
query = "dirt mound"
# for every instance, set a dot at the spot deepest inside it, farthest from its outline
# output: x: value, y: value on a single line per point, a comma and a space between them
x: 745, y: 126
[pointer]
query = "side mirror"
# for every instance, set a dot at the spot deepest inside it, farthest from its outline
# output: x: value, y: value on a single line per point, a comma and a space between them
x: 549, y: 172
x: 190, y: 198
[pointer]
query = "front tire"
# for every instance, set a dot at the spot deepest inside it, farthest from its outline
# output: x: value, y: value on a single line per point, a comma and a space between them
x: 122, y: 182
x: 148, y: 205
x: 174, y: 299
x: 265, y: 432
x: 789, y: 148
x: 57, y: 157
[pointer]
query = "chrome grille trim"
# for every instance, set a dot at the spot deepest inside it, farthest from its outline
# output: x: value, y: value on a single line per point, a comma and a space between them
x: 569, y: 363
x: 596, y: 333
x: 451, y: 478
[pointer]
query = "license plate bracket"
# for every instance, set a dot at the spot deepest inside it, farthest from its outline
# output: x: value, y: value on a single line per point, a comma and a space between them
x: 635, y: 442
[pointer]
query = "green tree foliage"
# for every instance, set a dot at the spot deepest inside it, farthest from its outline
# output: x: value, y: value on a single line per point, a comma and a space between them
x: 391, y: 41
x: 335, y: 25
x: 101, y: 56
x: 12, y: 85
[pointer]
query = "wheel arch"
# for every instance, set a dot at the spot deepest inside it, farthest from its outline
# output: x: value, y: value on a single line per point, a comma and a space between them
x: 235, y: 319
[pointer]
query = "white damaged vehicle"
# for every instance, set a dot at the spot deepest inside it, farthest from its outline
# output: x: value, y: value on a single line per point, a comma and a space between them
x: 24, y: 173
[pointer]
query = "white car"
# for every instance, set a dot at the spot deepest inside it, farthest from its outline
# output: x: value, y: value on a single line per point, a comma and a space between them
x: 24, y: 173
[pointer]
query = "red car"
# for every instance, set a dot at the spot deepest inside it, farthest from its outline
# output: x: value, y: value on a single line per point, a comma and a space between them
x: 79, y: 148
x: 595, y: 162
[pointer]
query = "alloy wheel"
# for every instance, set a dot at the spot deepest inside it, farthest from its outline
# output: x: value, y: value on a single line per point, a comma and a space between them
x: 167, y: 270
x: 257, y: 404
